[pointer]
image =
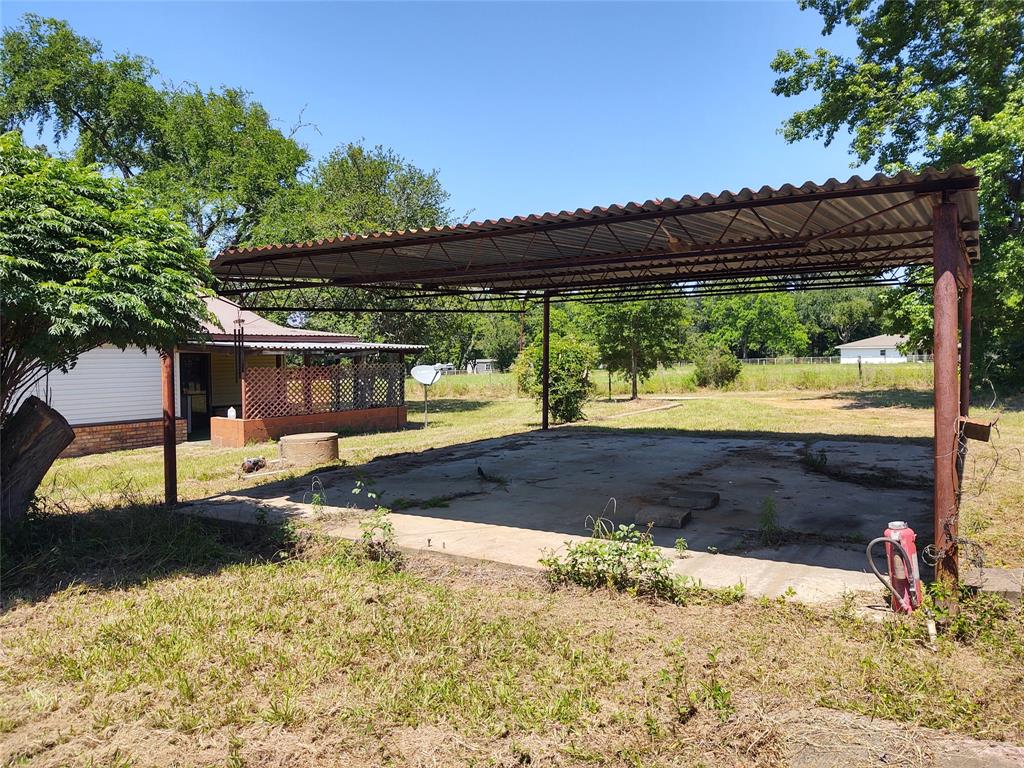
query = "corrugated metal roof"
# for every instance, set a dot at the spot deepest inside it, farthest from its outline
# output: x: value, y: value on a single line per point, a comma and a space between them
x: 884, y: 340
x: 803, y: 235
x: 324, y: 346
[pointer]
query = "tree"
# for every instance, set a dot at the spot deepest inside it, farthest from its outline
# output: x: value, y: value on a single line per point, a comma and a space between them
x: 502, y: 338
x: 569, y: 385
x: 218, y: 162
x: 765, y: 324
x: 54, y: 78
x: 942, y: 83
x: 633, y: 337
x: 838, y: 315
x: 83, y: 262
x: 355, y: 191
x: 212, y: 158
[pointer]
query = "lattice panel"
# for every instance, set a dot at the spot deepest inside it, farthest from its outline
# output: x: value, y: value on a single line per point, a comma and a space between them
x: 300, y: 390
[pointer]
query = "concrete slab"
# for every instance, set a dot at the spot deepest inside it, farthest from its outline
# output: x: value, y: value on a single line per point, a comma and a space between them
x: 513, y: 499
x: 687, y: 499
x: 1008, y: 583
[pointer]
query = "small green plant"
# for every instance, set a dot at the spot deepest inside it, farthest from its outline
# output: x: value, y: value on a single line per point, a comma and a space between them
x: 626, y: 559
x: 363, y: 486
x: 816, y: 461
x: 283, y: 711
x: 771, y: 533
x: 378, y: 538
x: 728, y: 595
x: 316, y: 496
x: 711, y: 693
x: 973, y: 618
x: 681, y: 547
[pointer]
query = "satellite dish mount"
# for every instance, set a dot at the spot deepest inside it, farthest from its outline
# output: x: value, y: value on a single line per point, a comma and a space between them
x: 427, y: 375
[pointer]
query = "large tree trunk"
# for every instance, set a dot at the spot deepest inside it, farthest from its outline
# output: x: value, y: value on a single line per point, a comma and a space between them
x: 31, y: 440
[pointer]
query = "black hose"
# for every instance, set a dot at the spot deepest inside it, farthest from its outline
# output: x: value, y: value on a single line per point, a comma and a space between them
x: 906, y: 561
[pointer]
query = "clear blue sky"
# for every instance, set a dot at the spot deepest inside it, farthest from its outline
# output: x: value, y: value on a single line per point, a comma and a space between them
x: 523, y: 107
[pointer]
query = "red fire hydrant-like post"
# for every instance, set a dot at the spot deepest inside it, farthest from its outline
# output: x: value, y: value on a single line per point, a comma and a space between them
x: 904, y: 579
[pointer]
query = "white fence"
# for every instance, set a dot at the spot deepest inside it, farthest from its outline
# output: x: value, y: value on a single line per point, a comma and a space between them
x: 818, y: 360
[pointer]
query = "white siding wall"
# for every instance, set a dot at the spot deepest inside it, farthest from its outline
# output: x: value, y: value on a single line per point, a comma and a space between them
x: 109, y: 385
x: 892, y: 355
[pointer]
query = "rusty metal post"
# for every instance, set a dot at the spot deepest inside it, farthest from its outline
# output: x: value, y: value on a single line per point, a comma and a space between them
x: 966, y: 299
x: 545, y: 366
x: 170, y: 432
x: 242, y: 384
x: 946, y: 243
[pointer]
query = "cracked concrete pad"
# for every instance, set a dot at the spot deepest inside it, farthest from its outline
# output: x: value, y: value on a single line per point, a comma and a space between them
x: 548, y: 488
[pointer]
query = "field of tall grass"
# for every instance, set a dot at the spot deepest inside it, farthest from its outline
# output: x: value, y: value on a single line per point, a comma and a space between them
x: 679, y: 380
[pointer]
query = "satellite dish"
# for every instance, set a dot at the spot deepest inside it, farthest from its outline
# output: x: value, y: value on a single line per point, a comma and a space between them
x: 425, y: 374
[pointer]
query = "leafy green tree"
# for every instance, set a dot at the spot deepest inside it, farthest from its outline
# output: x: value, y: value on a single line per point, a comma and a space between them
x: 54, y: 78
x: 218, y: 162
x: 212, y: 158
x: 83, y: 262
x: 571, y: 361
x: 757, y: 325
x: 355, y: 190
x: 838, y: 315
x: 501, y: 338
x: 633, y: 337
x: 934, y: 83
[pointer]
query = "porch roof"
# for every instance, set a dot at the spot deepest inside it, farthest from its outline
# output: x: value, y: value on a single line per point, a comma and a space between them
x: 317, y: 346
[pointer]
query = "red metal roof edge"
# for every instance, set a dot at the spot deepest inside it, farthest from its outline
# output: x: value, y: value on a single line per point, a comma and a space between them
x: 855, y: 182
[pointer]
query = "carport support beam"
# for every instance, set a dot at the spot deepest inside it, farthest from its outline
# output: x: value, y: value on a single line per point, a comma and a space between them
x: 945, y: 218
x: 966, y: 299
x: 545, y: 365
x: 170, y: 438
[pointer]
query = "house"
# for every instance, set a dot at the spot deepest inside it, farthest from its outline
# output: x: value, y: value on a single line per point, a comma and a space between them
x: 876, y: 349
x: 267, y: 381
x: 483, y: 365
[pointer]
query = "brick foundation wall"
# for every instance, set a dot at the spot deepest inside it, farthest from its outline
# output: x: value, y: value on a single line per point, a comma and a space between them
x: 120, y: 436
x: 237, y: 433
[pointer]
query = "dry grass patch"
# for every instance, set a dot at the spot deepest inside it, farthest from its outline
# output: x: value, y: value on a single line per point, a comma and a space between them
x: 322, y: 657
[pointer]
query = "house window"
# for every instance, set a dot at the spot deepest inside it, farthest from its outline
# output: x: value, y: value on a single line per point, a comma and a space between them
x: 882, y: 352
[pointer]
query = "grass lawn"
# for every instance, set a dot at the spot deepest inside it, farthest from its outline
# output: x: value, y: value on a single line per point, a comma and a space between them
x: 137, y: 637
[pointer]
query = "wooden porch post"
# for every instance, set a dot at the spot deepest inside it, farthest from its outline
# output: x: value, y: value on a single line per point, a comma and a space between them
x: 545, y: 366
x: 170, y: 436
x: 946, y: 239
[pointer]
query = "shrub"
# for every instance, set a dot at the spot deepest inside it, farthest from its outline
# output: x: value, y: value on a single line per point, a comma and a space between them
x: 570, y: 385
x: 628, y: 560
x: 716, y: 367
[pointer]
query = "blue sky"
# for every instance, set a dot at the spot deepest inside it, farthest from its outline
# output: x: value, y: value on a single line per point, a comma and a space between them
x: 523, y: 107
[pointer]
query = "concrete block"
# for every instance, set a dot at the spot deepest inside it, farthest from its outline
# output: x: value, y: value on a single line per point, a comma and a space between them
x: 1005, y: 582
x: 685, y: 499
x: 662, y: 518
x: 310, y: 448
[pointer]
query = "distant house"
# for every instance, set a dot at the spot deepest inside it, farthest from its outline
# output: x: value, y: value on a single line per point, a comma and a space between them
x: 876, y: 349
x: 279, y: 380
x: 483, y: 365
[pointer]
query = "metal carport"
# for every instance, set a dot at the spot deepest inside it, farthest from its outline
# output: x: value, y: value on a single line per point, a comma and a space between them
x: 812, y: 236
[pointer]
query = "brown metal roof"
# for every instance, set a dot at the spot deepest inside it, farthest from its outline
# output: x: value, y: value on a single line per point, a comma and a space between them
x: 816, y: 235
x: 228, y: 314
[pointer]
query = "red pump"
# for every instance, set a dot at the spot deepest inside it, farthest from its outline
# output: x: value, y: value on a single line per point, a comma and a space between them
x: 904, y: 581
